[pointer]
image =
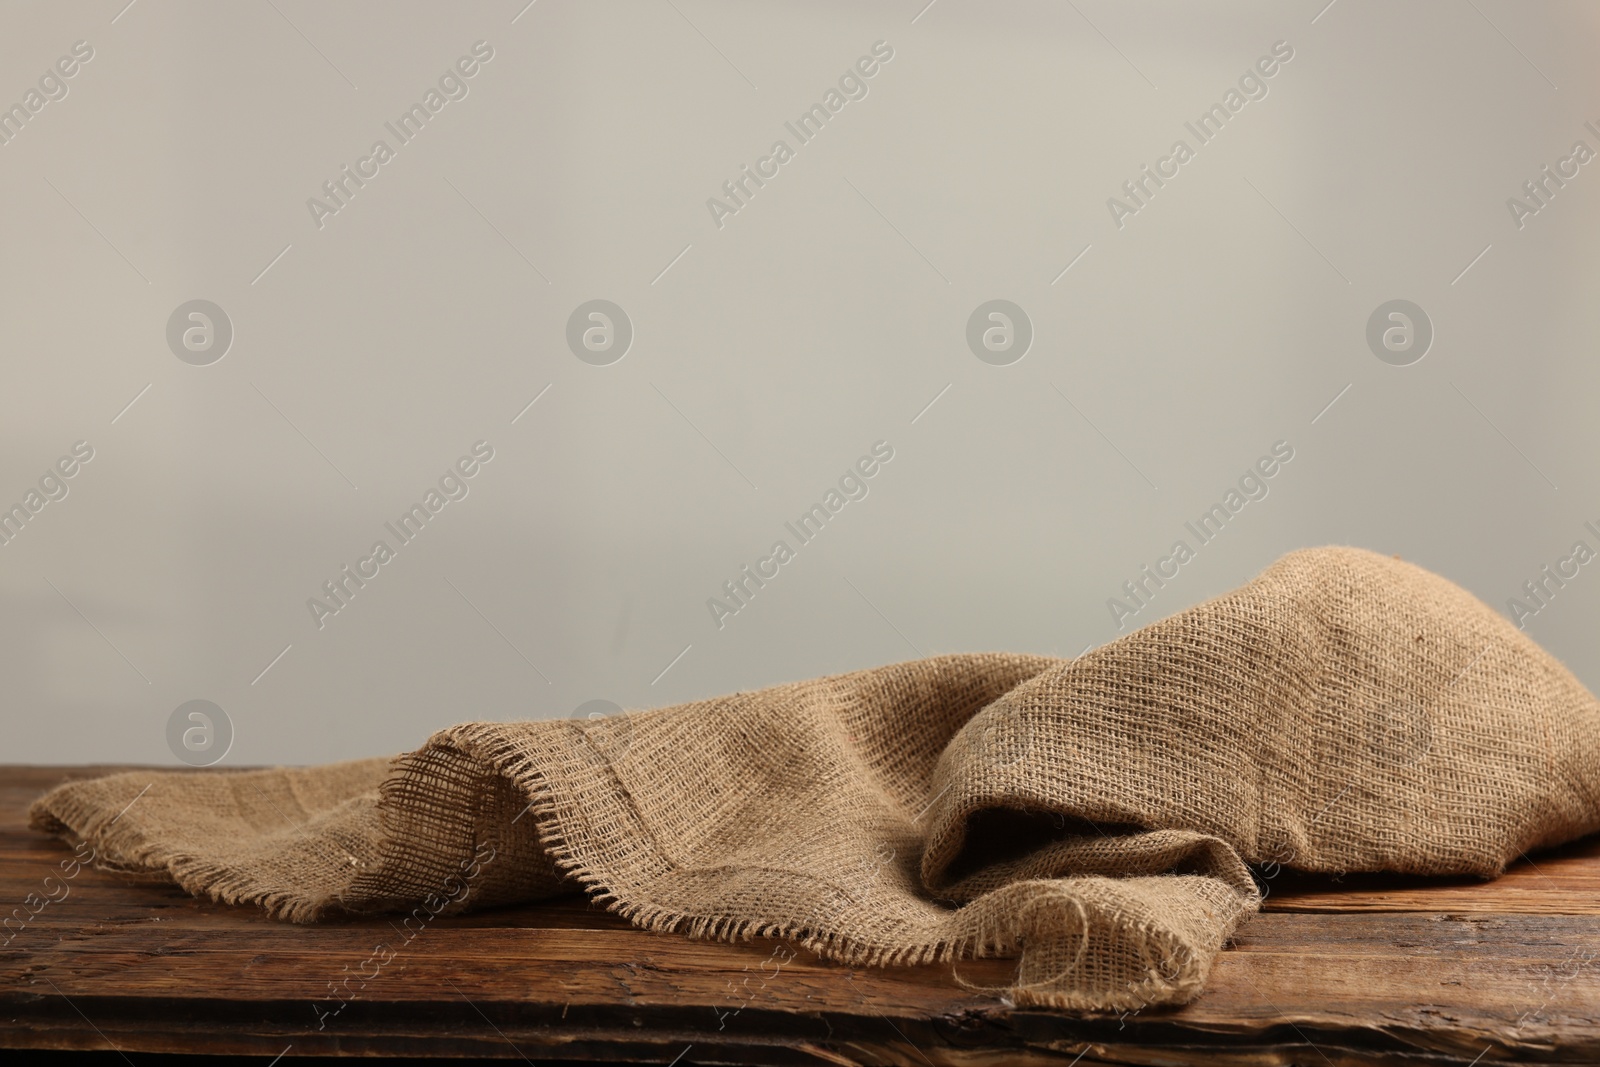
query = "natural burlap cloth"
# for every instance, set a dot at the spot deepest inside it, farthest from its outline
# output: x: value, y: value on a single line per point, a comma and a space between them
x: 1343, y: 711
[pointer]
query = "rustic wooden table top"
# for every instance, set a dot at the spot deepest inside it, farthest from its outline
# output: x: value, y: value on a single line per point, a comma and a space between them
x: 1364, y: 970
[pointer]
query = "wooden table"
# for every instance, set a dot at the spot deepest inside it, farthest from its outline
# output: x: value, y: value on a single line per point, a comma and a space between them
x: 1367, y: 970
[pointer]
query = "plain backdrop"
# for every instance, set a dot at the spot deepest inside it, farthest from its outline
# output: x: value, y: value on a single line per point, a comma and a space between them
x: 772, y: 347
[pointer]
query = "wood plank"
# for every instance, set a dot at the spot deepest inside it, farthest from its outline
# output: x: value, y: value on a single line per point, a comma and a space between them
x: 1405, y: 973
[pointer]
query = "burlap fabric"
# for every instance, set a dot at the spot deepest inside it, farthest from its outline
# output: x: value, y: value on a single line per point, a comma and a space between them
x: 1343, y: 711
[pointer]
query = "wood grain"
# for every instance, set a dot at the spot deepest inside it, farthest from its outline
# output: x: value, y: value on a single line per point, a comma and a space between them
x: 1360, y: 970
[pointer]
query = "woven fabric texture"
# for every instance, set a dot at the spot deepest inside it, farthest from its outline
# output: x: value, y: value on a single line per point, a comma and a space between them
x: 1343, y: 711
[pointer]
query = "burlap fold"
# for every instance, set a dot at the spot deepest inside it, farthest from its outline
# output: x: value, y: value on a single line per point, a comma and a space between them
x: 1343, y: 711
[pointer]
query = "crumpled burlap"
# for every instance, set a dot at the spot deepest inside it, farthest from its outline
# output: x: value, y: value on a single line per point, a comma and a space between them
x: 1343, y: 711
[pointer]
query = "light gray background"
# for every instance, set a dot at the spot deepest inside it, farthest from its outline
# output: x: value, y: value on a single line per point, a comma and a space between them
x: 769, y: 354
